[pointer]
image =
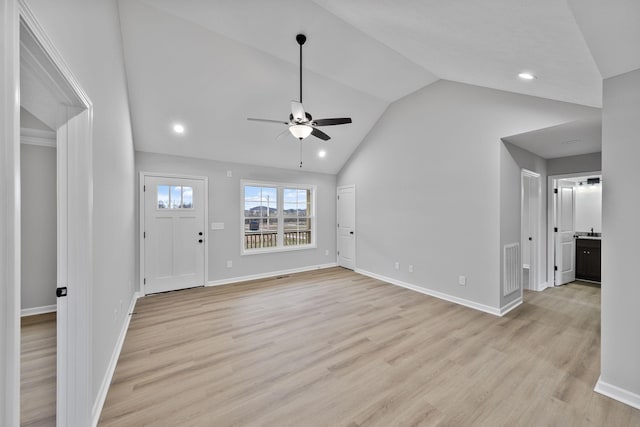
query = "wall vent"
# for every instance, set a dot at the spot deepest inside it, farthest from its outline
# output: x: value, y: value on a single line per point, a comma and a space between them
x: 512, y: 270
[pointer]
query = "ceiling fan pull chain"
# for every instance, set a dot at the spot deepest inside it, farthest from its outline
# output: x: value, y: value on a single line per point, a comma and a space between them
x: 300, y: 154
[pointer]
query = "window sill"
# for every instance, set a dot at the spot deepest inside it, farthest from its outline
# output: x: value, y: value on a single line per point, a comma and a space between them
x: 277, y: 249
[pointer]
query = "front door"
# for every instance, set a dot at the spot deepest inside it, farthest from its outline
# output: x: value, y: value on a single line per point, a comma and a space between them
x: 566, y: 230
x: 174, y: 233
x: 347, y: 227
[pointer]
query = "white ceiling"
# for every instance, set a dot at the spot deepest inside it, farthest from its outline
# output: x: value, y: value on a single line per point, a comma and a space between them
x: 569, y: 139
x: 212, y: 64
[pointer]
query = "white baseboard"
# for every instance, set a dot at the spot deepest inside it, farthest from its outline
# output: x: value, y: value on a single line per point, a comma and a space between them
x: 106, y: 381
x: 617, y: 393
x: 542, y: 286
x: 507, y: 308
x: 269, y: 274
x: 38, y: 310
x: 441, y: 295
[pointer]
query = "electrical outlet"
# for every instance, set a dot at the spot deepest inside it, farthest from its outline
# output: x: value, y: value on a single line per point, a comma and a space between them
x: 410, y: 268
x: 229, y: 174
x: 326, y: 252
x: 462, y: 280
x: 397, y: 266
x: 229, y: 264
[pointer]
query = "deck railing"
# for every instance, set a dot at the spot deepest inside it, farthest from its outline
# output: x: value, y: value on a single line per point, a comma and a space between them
x: 270, y: 239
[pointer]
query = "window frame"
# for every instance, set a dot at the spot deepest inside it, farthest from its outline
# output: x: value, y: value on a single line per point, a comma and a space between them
x: 280, y: 187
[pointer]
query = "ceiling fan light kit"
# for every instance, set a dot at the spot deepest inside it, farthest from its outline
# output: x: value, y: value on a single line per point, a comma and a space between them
x: 301, y: 123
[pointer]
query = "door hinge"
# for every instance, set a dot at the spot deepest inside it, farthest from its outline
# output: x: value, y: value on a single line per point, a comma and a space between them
x: 555, y: 229
x: 338, y: 197
x: 144, y: 234
x: 144, y: 281
x: 555, y: 190
x: 555, y: 268
x: 61, y: 292
x: 144, y: 188
x: 338, y: 252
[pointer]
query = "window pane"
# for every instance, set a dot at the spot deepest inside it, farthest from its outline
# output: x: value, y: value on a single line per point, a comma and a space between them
x: 176, y: 197
x: 163, y: 196
x: 187, y: 197
x: 290, y: 224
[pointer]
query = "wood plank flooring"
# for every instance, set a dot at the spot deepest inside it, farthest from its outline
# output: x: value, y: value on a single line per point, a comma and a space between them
x: 38, y: 371
x: 334, y: 348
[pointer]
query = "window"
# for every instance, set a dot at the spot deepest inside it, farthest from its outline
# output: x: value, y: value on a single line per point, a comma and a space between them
x: 277, y: 217
x: 175, y: 197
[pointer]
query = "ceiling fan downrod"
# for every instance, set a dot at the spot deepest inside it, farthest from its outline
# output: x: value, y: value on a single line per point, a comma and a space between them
x: 301, y: 38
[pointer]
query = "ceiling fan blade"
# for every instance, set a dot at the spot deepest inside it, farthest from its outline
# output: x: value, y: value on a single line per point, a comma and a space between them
x: 319, y: 134
x: 268, y: 121
x: 297, y: 111
x: 332, y: 122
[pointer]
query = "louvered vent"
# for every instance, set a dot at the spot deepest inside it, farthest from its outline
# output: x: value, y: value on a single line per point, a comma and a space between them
x: 512, y: 270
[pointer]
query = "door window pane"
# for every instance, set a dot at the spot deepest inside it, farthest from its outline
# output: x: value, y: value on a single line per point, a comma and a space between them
x: 175, y: 197
x: 163, y: 197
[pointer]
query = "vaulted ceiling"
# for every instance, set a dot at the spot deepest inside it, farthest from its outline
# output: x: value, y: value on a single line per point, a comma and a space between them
x: 211, y: 64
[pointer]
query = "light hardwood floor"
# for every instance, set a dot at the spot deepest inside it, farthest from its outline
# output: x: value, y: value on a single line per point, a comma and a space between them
x: 334, y: 348
x: 38, y: 371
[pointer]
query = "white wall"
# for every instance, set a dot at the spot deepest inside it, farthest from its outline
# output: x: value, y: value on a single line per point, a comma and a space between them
x: 589, y: 208
x: 87, y: 34
x: 225, y: 205
x: 621, y: 234
x: 38, y: 225
x: 575, y: 164
x: 429, y: 180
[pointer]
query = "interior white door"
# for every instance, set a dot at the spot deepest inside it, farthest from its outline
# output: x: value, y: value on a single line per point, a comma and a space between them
x: 347, y: 227
x: 174, y: 233
x: 565, y: 240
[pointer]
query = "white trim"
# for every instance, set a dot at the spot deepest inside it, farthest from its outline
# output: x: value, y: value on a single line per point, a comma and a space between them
x: 38, y: 310
x: 113, y: 362
x: 269, y: 274
x: 537, y: 254
x: 510, y: 306
x: 441, y: 295
x: 141, y: 226
x: 42, y: 138
x: 541, y: 287
x: 9, y: 215
x: 621, y: 395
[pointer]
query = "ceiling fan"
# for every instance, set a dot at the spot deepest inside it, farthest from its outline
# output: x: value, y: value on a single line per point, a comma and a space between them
x: 300, y: 123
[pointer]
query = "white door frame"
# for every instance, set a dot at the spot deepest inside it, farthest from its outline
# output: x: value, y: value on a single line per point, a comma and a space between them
x: 536, y: 249
x: 141, y: 226
x: 74, y: 321
x: 355, y: 219
x: 551, y: 219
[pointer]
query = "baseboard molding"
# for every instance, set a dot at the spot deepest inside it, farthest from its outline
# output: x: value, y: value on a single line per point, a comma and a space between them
x: 617, y: 393
x: 269, y: 274
x: 441, y: 295
x: 510, y: 306
x: 38, y: 310
x: 106, y: 381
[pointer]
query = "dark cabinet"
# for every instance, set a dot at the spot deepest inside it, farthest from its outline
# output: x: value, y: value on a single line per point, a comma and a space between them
x: 588, y: 259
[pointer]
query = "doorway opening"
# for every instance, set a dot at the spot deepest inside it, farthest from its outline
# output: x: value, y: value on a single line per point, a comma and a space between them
x: 575, y: 228
x: 56, y: 173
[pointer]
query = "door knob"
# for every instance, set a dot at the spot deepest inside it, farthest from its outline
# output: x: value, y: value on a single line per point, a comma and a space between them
x: 200, y: 241
x: 351, y: 232
x: 200, y: 233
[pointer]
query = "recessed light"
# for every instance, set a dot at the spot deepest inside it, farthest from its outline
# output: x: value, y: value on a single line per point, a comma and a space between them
x: 178, y: 128
x: 526, y: 76
x: 573, y: 141
x: 322, y: 153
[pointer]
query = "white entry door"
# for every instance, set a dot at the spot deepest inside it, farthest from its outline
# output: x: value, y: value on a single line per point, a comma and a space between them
x: 347, y: 227
x: 174, y: 233
x: 566, y: 230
